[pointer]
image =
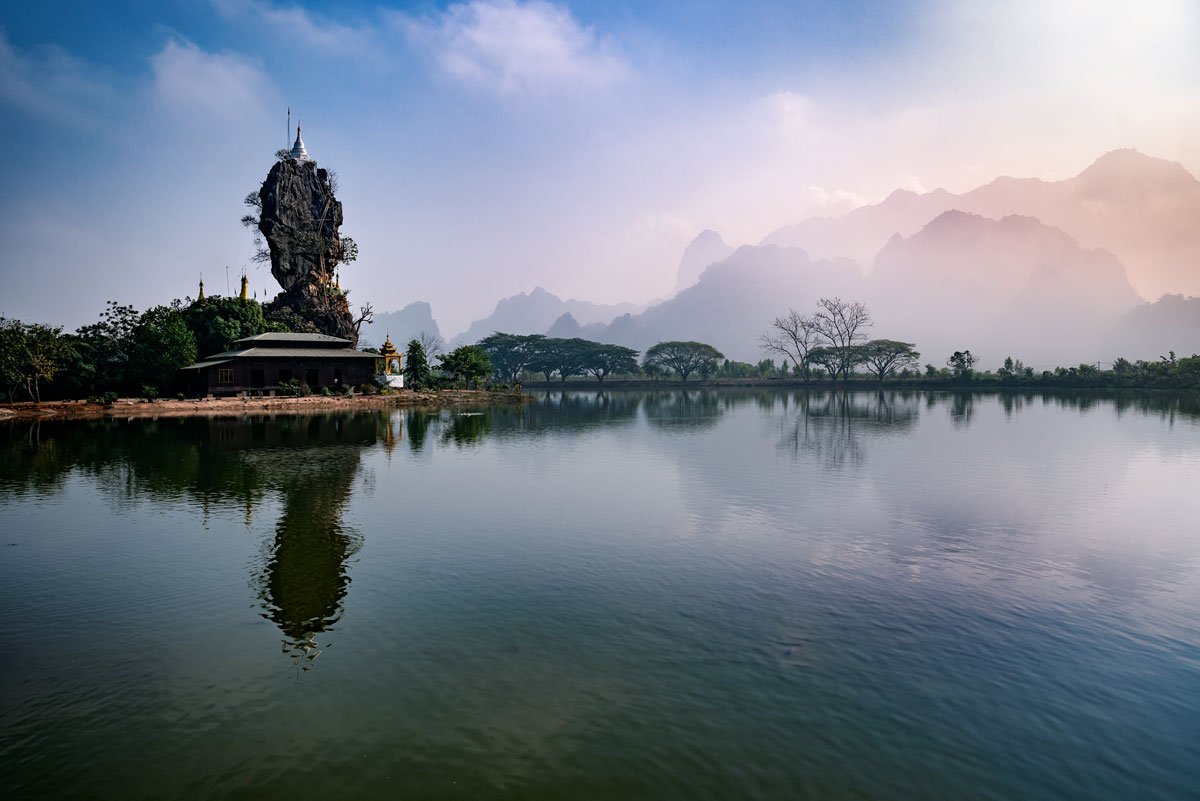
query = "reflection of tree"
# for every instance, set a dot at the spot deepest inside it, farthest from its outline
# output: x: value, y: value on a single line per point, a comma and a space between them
x: 311, y: 461
x: 831, y: 426
x: 417, y: 425
x: 467, y: 428
x: 689, y: 410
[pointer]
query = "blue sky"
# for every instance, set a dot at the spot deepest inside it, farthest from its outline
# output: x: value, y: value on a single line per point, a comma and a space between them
x: 487, y: 147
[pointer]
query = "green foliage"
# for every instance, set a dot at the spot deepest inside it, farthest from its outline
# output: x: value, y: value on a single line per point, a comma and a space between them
x: 417, y: 374
x: 110, y: 397
x: 962, y: 363
x: 885, y: 356
x: 511, y: 354
x: 30, y: 354
x: 467, y: 363
x: 217, y: 322
x: 562, y: 356
x: 289, y: 386
x: 148, y: 392
x: 326, y: 391
x: 684, y: 358
x: 369, y: 389
x: 604, y: 360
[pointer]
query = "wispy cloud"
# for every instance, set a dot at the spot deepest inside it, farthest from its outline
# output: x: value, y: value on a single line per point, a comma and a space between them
x: 298, y: 25
x: 49, y: 82
x: 194, y: 81
x: 512, y: 47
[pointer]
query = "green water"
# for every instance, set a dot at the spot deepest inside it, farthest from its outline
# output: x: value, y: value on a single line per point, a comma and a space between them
x: 706, y: 594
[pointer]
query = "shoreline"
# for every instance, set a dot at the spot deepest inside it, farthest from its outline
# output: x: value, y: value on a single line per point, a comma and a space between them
x: 136, y: 407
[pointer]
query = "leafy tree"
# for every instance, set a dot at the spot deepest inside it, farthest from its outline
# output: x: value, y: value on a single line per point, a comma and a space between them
x: 829, y: 358
x: 562, y: 356
x: 962, y: 363
x: 416, y: 366
x: 160, y: 344
x: 31, y: 353
x: 604, y: 360
x: 468, y: 363
x: 885, y: 356
x: 511, y: 354
x: 684, y: 358
x: 217, y: 322
x: 104, y: 348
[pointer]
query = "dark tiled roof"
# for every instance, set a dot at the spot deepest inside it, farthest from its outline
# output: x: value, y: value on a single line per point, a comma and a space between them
x: 294, y: 339
x: 281, y: 353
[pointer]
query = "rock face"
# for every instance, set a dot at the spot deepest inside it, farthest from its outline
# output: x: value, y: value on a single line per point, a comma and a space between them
x: 300, y: 221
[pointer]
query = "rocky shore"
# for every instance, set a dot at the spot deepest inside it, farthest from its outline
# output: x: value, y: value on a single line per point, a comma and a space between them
x: 136, y: 407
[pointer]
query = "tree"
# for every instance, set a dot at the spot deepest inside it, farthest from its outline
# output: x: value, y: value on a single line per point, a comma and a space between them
x: 885, y: 356
x: 510, y: 354
x: 217, y: 322
x: 562, y: 356
x: 468, y: 363
x: 793, y: 337
x: 29, y: 354
x: 160, y: 344
x: 432, y: 344
x: 962, y: 363
x: 603, y: 360
x: 842, y: 325
x: 416, y: 366
x: 684, y: 358
x: 828, y: 358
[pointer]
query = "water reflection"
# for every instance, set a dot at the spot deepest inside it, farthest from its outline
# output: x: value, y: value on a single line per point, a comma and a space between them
x: 309, y: 462
x: 830, y: 426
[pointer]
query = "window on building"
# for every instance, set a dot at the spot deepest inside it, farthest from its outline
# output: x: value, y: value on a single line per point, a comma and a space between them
x: 225, y: 375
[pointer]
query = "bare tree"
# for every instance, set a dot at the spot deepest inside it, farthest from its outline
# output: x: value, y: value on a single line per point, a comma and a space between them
x: 793, y: 337
x: 365, y: 315
x: 843, y: 326
x: 432, y: 344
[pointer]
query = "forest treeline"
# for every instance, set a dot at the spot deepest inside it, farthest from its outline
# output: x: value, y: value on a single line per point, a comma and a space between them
x: 133, y: 353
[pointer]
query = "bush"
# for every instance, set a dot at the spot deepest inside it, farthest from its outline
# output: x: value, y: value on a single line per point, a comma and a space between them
x: 348, y: 391
x: 95, y: 399
x: 326, y: 391
x: 110, y: 398
x: 149, y: 393
x: 179, y: 396
x: 289, y: 386
x: 305, y: 390
x: 369, y: 389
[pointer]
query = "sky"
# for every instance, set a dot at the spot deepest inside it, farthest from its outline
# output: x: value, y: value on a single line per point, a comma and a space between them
x: 487, y: 147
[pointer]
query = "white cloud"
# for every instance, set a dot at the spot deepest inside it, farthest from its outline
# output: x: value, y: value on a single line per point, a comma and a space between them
x: 191, y: 81
x: 297, y: 25
x: 513, y: 47
x: 52, y: 83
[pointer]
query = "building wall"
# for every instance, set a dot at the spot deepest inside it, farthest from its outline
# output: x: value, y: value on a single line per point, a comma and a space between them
x: 264, y: 374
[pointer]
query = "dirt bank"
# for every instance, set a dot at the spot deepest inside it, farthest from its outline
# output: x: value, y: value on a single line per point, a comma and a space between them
x: 135, y: 407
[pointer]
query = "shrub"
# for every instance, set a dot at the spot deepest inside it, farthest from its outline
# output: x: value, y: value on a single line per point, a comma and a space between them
x: 149, y: 393
x: 369, y: 389
x: 179, y: 396
x: 348, y: 391
x: 110, y: 398
x: 289, y: 386
x: 326, y: 391
x: 305, y: 390
x: 95, y: 399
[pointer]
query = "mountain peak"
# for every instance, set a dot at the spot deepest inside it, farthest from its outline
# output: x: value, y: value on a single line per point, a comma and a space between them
x: 1128, y: 171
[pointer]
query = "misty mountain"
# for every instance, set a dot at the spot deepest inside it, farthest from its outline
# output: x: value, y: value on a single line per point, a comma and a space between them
x: 707, y: 248
x: 1013, y: 286
x: 1152, y: 330
x: 534, y: 312
x: 402, y: 325
x: 1143, y: 210
x: 731, y: 303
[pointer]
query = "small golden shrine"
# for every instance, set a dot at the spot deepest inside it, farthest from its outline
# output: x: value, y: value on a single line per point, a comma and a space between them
x: 389, y: 356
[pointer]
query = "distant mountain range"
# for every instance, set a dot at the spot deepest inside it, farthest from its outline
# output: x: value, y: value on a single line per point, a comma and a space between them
x: 1048, y: 272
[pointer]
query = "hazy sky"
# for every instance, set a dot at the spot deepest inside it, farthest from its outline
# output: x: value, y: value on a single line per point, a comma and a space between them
x: 485, y: 148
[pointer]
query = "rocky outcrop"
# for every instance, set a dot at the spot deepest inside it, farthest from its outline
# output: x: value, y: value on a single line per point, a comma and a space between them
x: 300, y: 219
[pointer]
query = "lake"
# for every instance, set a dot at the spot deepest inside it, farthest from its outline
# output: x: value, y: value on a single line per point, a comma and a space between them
x: 726, y: 594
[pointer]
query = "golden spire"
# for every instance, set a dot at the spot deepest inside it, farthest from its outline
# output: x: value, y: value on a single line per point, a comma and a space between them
x: 245, y: 284
x: 337, y: 280
x: 201, y: 291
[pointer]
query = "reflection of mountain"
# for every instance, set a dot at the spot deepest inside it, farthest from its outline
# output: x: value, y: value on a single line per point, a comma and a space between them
x: 310, y: 461
x: 305, y: 577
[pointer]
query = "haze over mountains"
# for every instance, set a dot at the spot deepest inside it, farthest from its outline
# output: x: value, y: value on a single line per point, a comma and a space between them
x: 1048, y: 272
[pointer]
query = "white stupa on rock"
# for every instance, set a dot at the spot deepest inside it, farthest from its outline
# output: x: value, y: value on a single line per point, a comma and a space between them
x: 298, y: 151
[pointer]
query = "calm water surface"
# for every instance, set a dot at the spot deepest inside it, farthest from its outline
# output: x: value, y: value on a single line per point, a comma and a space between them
x: 705, y: 594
